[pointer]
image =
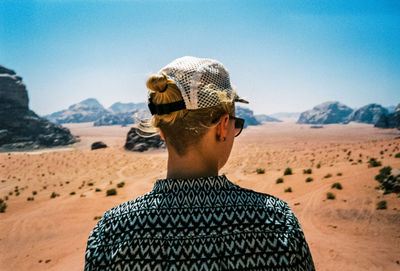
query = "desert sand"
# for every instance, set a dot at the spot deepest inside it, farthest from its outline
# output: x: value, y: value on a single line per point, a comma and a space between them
x: 346, y: 233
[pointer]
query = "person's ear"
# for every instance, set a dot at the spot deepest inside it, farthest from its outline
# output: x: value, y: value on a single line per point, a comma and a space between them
x: 222, y: 127
x: 162, y: 135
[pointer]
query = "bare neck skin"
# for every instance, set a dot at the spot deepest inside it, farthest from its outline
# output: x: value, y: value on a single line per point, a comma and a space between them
x: 205, y: 158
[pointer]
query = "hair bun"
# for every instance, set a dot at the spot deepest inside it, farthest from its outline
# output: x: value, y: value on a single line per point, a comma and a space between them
x: 157, y: 82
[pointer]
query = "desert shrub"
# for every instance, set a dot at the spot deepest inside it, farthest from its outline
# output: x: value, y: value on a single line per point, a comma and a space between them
x: 309, y: 179
x: 53, y: 195
x: 289, y: 189
x: 328, y: 176
x: 337, y: 186
x: 30, y: 198
x: 279, y: 180
x: 288, y: 171
x: 98, y: 190
x: 397, y: 155
x: 381, y: 205
x: 339, y: 174
x: 374, y: 163
x: 260, y: 171
x: 318, y: 165
x: 121, y: 184
x: 97, y: 217
x: 3, y: 206
x: 72, y: 193
x: 34, y: 192
x: 330, y: 195
x: 111, y: 192
x: 383, y: 174
x: 90, y: 184
x: 307, y: 171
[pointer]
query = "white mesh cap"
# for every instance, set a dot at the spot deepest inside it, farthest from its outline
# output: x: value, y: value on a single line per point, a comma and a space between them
x: 203, y: 82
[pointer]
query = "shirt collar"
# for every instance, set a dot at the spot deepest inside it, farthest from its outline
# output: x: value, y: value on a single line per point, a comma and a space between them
x: 203, y: 183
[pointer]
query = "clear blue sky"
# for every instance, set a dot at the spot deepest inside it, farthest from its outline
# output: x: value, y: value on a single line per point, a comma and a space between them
x: 282, y: 55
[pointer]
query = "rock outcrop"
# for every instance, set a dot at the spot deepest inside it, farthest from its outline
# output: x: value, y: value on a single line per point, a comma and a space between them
x: 85, y: 111
x: 247, y: 115
x: 135, y: 142
x: 98, y: 145
x: 390, y: 120
x: 326, y: 113
x: 20, y: 127
x: 367, y: 114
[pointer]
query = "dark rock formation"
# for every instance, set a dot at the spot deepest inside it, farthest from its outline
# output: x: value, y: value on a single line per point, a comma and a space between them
x: 86, y: 111
x: 20, y: 127
x: 367, y: 114
x: 325, y: 113
x: 246, y: 114
x: 134, y: 142
x: 98, y: 145
x: 265, y: 118
x: 127, y: 107
x: 390, y: 121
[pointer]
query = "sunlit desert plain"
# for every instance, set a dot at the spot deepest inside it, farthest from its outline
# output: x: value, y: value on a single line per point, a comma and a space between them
x: 55, y: 196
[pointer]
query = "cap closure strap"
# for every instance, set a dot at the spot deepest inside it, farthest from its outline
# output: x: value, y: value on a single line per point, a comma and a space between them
x: 162, y: 109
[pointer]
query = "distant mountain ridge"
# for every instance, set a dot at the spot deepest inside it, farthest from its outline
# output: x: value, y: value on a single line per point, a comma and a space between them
x: 90, y: 110
x: 336, y: 112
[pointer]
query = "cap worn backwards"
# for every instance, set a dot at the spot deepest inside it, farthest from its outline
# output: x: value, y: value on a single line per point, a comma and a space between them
x: 203, y: 82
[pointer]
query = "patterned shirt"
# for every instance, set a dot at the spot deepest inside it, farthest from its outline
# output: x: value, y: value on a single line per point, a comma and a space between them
x: 199, y: 224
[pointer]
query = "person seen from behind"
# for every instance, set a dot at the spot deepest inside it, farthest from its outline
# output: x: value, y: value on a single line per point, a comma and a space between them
x: 196, y: 218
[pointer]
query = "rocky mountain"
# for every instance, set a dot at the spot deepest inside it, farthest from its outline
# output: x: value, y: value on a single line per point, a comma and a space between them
x: 369, y: 113
x: 127, y: 107
x: 86, y: 111
x: 390, y: 120
x: 326, y: 113
x: 20, y: 127
x: 391, y: 108
x: 247, y: 115
x: 264, y: 118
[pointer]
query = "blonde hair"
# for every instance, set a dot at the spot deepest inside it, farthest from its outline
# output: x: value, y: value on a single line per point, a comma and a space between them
x: 182, y: 128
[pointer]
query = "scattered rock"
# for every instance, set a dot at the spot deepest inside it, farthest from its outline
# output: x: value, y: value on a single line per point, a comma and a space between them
x: 98, y: 145
x: 134, y: 142
x: 21, y: 128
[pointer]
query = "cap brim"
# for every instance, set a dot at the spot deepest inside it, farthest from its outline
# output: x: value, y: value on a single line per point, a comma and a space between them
x: 240, y: 100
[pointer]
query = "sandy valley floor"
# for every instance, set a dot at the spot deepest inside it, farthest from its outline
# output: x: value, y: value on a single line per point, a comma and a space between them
x: 346, y: 233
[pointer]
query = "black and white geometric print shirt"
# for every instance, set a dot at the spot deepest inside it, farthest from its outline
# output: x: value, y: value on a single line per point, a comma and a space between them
x: 199, y: 224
